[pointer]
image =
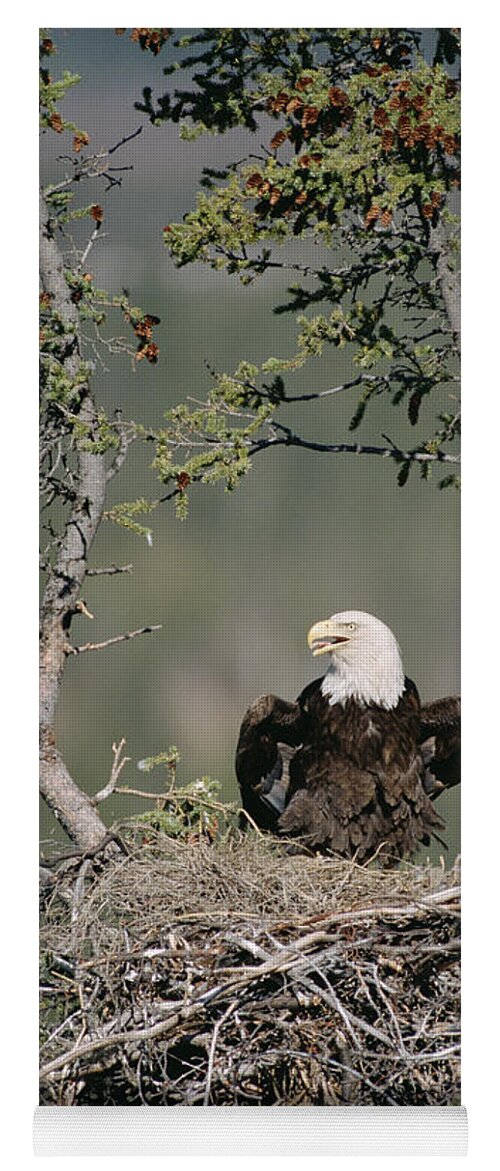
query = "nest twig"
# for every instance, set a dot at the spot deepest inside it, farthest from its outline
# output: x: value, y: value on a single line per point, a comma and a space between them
x: 236, y: 973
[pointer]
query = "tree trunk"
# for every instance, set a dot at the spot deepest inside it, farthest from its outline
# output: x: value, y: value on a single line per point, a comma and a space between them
x: 73, y: 809
x: 448, y: 276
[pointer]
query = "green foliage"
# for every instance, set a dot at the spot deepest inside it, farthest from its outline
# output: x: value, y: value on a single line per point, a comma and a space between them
x: 221, y: 224
x: 97, y: 439
x: 213, y: 442
x: 125, y: 513
x: 61, y: 391
x: 364, y: 162
x: 170, y: 759
x: 52, y: 91
x: 189, y: 813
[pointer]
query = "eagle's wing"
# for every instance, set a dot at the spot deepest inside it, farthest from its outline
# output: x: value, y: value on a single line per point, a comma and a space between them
x: 440, y: 744
x: 270, y: 732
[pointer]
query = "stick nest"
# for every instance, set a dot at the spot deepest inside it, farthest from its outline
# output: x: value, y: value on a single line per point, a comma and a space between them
x: 237, y: 973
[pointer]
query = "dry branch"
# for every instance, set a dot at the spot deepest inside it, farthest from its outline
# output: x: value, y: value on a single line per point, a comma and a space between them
x: 99, y: 646
x: 109, y: 570
x: 119, y: 762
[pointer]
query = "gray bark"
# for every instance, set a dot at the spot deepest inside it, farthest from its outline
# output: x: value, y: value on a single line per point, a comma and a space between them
x: 449, y: 277
x: 73, y: 809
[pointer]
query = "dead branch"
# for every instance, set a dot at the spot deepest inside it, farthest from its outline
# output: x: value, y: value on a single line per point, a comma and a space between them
x: 79, y: 856
x: 211, y: 1055
x: 179, y: 798
x: 126, y: 138
x: 95, y: 235
x: 99, y: 646
x: 119, y: 762
x: 109, y: 569
x: 126, y: 439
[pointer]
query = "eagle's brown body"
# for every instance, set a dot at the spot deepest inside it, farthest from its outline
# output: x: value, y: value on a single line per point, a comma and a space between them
x: 354, y: 778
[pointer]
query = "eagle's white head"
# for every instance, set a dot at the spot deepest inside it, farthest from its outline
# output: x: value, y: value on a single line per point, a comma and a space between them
x: 365, y: 662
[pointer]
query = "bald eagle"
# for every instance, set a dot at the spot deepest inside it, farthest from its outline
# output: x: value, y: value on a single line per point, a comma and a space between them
x: 354, y: 765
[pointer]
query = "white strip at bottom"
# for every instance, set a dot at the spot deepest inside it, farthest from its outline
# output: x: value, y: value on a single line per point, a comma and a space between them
x: 248, y: 1130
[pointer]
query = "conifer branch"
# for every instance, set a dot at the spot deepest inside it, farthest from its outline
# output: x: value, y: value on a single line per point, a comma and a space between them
x: 290, y: 439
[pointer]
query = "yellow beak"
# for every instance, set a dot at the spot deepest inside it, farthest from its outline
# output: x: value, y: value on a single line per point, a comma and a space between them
x: 323, y: 637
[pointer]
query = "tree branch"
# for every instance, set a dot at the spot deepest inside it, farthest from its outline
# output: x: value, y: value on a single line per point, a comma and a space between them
x: 289, y: 439
x: 126, y: 440
x: 119, y: 763
x: 315, y: 394
x: 303, y: 398
x: 109, y: 570
x: 89, y: 245
x: 99, y: 646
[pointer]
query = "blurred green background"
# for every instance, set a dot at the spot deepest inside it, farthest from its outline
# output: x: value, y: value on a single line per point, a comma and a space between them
x: 238, y: 584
